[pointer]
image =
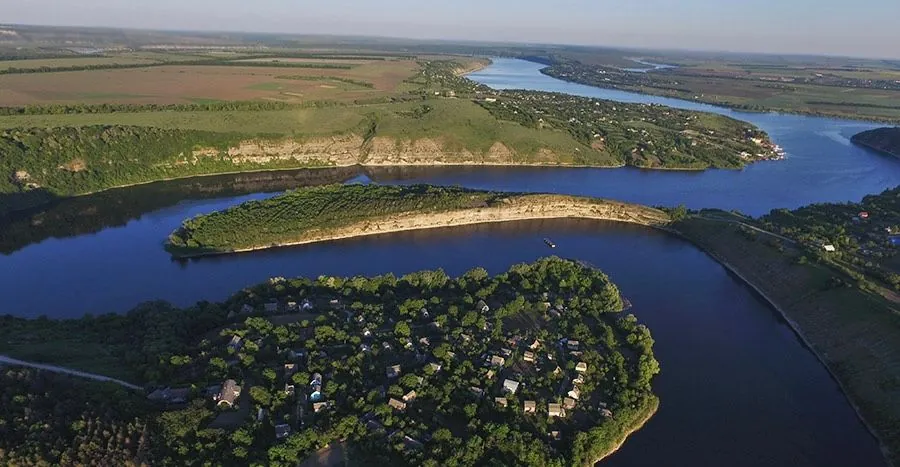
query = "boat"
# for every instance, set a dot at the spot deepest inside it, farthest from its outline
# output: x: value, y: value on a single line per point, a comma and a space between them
x: 549, y: 243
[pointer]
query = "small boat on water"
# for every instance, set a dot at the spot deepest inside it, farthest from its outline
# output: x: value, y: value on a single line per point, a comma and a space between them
x: 549, y: 243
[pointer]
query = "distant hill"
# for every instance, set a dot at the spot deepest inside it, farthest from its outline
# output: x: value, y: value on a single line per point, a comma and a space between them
x: 886, y: 140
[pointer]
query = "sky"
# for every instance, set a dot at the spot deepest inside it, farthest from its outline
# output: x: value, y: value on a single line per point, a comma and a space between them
x: 865, y: 28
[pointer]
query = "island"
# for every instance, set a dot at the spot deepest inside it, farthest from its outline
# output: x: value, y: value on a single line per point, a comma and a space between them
x: 539, y: 365
x: 411, y: 112
x: 884, y: 140
x: 332, y: 212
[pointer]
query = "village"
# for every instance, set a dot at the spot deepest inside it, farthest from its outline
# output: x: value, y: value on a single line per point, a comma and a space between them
x: 540, y: 350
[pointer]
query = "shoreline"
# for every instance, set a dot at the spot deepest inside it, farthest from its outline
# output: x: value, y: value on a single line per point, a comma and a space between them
x: 622, y: 165
x: 868, y: 146
x: 630, y: 431
x: 361, y: 229
x: 795, y: 328
x: 736, y: 108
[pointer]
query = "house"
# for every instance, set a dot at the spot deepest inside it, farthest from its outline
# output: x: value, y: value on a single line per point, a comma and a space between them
x: 863, y: 215
x: 316, y: 396
x: 569, y: 403
x: 506, y: 352
x: 476, y: 391
x: 320, y: 406
x: 305, y: 305
x: 365, y: 348
x: 536, y: 344
x: 572, y: 344
x: 392, y: 371
x: 530, y: 407
x: 578, y: 380
x: 501, y: 401
x: 424, y: 313
x: 829, y: 248
x: 397, y: 405
x: 289, y: 389
x: 557, y: 371
x: 510, y: 386
x: 246, y: 309
x: 482, y: 307
x: 490, y: 374
x: 316, y: 379
x: 436, y: 367
x: 236, y: 343
x: 409, y: 396
x: 554, y: 410
x: 386, y: 345
x: 260, y: 414
x: 292, y: 306
x: 282, y: 431
x: 229, y: 393
x: 366, y: 333
x: 581, y: 367
x: 529, y: 356
x: 497, y: 361
x: 575, y: 393
x: 289, y: 369
x: 490, y: 100
x: 606, y: 413
x: 424, y: 342
x: 271, y: 307
x: 554, y: 435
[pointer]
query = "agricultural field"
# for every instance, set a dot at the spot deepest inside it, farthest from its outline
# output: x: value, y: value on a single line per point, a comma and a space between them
x: 180, y: 84
x: 76, y: 61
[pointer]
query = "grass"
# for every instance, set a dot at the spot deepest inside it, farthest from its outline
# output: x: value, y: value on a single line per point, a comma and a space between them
x: 855, y: 332
x: 76, y: 61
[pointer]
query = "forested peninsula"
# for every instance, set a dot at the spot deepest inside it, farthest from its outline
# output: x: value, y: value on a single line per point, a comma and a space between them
x: 536, y: 366
x: 884, y: 140
x: 341, y: 211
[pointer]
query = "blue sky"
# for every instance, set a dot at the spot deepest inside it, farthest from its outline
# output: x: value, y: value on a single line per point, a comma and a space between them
x: 858, y: 28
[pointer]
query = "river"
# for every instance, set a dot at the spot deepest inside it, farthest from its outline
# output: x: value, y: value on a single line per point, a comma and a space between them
x: 737, y: 386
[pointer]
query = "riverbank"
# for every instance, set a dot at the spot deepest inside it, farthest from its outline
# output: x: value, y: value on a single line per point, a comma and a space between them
x: 297, y: 218
x: 855, y: 335
x: 882, y: 140
x: 630, y: 430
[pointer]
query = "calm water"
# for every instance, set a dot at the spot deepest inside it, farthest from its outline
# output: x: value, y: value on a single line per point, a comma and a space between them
x: 737, y: 387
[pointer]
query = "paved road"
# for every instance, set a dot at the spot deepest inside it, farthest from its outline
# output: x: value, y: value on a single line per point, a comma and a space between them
x: 4, y: 360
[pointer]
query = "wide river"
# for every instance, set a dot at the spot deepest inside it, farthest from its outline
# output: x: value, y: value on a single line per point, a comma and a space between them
x: 737, y: 386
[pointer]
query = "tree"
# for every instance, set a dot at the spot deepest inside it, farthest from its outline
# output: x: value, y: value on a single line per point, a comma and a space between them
x: 402, y: 329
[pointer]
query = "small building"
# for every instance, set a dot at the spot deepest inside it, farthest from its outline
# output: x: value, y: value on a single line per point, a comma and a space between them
x: 397, y: 405
x: 581, y: 367
x: 501, y: 401
x: 316, y: 379
x: 320, y: 406
x: 557, y: 371
x: 305, y: 305
x: 569, y: 403
x: 392, y: 371
x: 554, y: 410
x: 863, y: 215
x: 573, y: 344
x: 292, y: 306
x: 436, y: 367
x: 271, y: 307
x: 497, y: 361
x: 229, y: 393
x: 530, y: 407
x: 289, y: 389
x: 536, y: 344
x: 490, y: 375
x: 476, y: 391
x: 575, y: 393
x: 554, y: 435
x: 510, y: 386
x: 365, y: 348
x: 506, y: 352
x: 529, y: 356
x: 490, y: 100
x: 316, y: 396
x: 290, y: 369
x: 366, y: 332
x: 282, y: 431
x: 236, y: 343
x: 424, y: 341
x: 482, y: 306
x: 411, y: 444
x: 606, y: 413
x: 409, y: 396
x: 829, y: 248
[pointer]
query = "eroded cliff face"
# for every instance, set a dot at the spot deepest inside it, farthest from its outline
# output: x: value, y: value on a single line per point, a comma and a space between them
x: 348, y: 150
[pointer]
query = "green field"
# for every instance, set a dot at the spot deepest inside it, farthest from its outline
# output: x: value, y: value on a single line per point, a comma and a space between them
x: 75, y: 62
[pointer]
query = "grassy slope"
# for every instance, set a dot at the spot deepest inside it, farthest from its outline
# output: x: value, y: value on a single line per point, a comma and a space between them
x: 856, y: 333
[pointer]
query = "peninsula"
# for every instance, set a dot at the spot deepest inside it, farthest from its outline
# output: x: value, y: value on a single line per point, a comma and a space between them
x: 884, y: 140
x: 535, y: 366
x: 419, y: 112
x: 341, y: 211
